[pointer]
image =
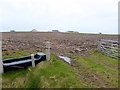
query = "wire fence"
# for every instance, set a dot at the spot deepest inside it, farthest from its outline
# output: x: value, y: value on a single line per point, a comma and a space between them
x: 110, y: 48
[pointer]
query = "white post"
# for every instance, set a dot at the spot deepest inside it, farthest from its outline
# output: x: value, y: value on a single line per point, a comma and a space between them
x: 1, y: 65
x: 99, y: 42
x: 33, y: 61
x: 48, y: 51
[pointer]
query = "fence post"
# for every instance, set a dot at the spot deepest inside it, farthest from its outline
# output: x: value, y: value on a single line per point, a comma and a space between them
x: 33, y: 60
x: 111, y: 48
x: 1, y: 65
x: 99, y: 42
x: 99, y: 46
x: 1, y: 62
x: 48, y: 50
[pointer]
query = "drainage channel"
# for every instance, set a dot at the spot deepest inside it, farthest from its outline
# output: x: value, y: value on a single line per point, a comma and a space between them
x: 68, y: 60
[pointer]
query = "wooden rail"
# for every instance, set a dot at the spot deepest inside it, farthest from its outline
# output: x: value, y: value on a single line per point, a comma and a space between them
x: 110, y: 48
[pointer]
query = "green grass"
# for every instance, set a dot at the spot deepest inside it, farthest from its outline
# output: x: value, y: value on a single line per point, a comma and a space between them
x: 17, y: 53
x: 93, y: 71
x: 106, y: 68
x: 54, y: 74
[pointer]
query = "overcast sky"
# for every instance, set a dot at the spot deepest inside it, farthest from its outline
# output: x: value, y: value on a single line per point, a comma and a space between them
x: 86, y: 16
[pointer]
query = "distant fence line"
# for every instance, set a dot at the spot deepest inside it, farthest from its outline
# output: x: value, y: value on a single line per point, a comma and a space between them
x: 110, y: 48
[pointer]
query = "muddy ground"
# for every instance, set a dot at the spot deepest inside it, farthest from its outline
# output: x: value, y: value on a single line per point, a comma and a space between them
x: 61, y: 43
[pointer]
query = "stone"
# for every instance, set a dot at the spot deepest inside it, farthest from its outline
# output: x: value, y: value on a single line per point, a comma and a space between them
x: 71, y: 51
x: 77, y: 50
x: 4, y: 49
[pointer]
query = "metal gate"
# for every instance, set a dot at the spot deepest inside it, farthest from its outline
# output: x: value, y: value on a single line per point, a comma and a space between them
x: 110, y: 48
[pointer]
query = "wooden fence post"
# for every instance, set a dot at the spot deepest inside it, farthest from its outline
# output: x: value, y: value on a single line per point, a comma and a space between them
x: 48, y: 51
x: 111, y: 48
x: 99, y: 42
x: 1, y: 62
x: 33, y: 60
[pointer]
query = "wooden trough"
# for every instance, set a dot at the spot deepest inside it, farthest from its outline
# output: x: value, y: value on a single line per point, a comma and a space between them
x: 23, y: 62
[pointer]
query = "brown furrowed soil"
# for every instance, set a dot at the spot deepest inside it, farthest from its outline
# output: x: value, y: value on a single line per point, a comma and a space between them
x: 61, y: 43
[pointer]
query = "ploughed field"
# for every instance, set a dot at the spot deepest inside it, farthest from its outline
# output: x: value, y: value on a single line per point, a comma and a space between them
x: 61, y: 43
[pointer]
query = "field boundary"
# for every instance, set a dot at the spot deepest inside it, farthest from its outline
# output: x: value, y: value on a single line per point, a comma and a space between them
x: 110, y: 48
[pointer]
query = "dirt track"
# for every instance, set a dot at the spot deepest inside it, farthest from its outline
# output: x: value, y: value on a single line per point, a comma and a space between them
x: 61, y: 43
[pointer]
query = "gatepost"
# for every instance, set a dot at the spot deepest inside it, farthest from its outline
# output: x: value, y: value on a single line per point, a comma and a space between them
x: 1, y: 63
x: 48, y: 50
x: 99, y: 42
